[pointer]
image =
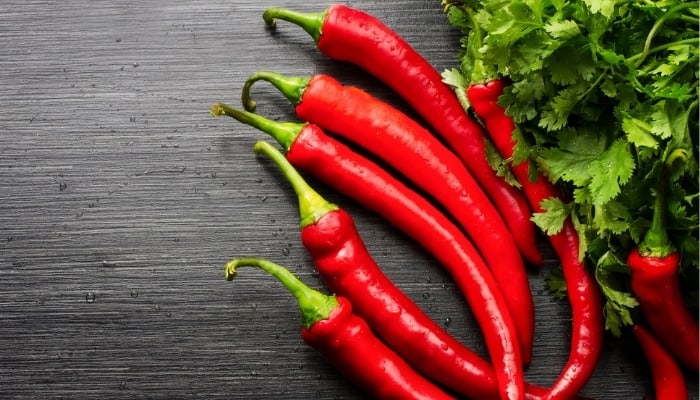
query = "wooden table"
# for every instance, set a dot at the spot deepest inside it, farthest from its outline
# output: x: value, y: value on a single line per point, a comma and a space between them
x: 121, y: 198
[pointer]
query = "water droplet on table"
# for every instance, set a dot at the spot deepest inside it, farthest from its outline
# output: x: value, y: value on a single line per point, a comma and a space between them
x: 90, y: 297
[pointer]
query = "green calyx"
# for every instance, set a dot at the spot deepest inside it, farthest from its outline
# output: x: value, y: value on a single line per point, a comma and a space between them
x: 284, y: 132
x: 292, y: 87
x: 312, y: 206
x: 314, y: 305
x: 656, y: 241
x: 310, y: 22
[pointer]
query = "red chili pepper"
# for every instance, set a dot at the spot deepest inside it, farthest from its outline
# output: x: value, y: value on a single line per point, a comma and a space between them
x: 654, y: 269
x: 346, y: 341
x: 405, y: 145
x: 669, y: 383
x: 582, y: 291
x: 655, y: 284
x: 349, y: 270
x: 309, y: 149
x: 351, y: 35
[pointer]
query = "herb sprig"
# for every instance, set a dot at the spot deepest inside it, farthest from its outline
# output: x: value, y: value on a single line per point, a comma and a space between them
x: 602, y: 92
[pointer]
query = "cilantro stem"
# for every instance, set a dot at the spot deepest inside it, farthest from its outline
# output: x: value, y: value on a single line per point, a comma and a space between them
x: 476, y: 28
x: 690, y: 19
x: 593, y: 85
x: 678, y: 154
x: 659, y: 23
x: 661, y: 48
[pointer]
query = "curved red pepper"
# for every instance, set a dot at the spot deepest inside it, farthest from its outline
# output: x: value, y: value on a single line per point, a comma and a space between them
x: 349, y: 270
x: 669, y: 383
x: 309, y: 149
x: 351, y: 35
x: 404, y: 145
x: 654, y: 282
x: 346, y: 341
x: 582, y: 290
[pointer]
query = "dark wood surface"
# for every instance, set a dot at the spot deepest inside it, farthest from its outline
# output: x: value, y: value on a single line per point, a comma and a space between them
x: 121, y: 198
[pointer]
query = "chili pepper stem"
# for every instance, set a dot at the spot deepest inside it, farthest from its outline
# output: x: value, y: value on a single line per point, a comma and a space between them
x: 656, y: 241
x: 310, y: 22
x: 312, y: 206
x: 314, y: 305
x: 284, y: 132
x: 292, y: 87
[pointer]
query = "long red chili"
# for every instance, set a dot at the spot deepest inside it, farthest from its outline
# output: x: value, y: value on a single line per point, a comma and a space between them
x: 654, y: 282
x: 669, y: 383
x: 346, y: 341
x: 404, y: 144
x: 349, y: 270
x: 654, y: 269
x: 311, y: 150
x: 584, y: 296
x: 351, y: 35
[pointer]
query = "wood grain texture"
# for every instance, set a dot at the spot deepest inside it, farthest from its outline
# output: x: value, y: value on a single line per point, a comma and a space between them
x: 121, y: 198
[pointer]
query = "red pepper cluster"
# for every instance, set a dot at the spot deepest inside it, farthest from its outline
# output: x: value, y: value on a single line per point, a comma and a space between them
x: 468, y: 217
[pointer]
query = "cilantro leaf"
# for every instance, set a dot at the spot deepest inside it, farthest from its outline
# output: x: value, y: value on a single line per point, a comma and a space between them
x: 566, y: 72
x: 555, y: 114
x: 571, y: 159
x: 609, y: 171
x: 551, y: 220
x: 562, y: 29
x: 619, y: 301
x: 612, y: 217
x: 661, y: 122
x: 556, y: 283
x: 604, y: 7
x: 511, y: 22
x: 639, y: 132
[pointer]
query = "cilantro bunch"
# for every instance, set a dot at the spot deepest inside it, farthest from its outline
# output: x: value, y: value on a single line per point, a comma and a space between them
x: 604, y: 94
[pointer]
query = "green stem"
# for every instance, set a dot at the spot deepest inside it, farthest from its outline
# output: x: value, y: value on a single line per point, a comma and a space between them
x: 312, y: 206
x: 594, y: 85
x: 661, y: 48
x: 478, y: 74
x: 314, y: 305
x: 678, y: 154
x: 659, y: 23
x: 284, y: 132
x: 311, y: 22
x: 694, y: 104
x: 689, y: 19
x: 656, y: 241
x: 292, y: 87
x: 475, y: 27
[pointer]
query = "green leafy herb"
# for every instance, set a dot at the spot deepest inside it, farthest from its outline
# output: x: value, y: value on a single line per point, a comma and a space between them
x: 603, y: 93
